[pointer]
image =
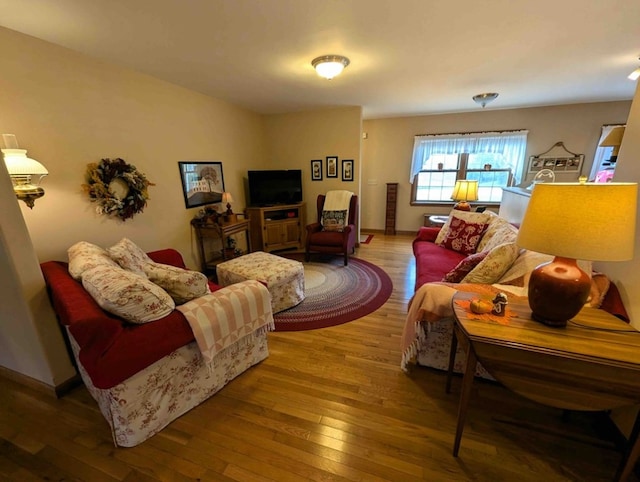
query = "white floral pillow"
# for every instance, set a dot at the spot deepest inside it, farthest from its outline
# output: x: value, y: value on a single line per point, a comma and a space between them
x: 520, y: 271
x: 500, y: 231
x: 494, y: 265
x: 181, y: 284
x: 468, y: 217
x: 127, y: 294
x: 84, y: 256
x: 128, y: 255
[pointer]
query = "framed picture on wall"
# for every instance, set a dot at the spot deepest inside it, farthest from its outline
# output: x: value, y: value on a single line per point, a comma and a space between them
x: 316, y: 170
x: 202, y: 182
x: 332, y: 166
x: 347, y: 169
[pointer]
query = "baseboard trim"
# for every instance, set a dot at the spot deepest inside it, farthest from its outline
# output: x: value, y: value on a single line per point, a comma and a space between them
x: 381, y: 231
x: 41, y: 387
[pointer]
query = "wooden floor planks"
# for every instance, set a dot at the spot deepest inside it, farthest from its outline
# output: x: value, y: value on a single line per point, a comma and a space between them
x: 327, y: 405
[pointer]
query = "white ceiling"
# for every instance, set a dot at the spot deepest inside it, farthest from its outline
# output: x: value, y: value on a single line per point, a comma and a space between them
x: 408, y: 57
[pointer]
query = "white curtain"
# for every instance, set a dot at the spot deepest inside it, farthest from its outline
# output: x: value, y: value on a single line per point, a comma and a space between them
x: 512, y: 145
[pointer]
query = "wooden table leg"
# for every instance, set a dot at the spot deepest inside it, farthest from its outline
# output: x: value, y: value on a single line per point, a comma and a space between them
x: 452, y: 359
x: 631, y: 454
x: 465, y: 394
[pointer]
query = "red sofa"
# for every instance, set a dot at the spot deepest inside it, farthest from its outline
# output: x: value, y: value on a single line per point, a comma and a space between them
x: 110, y: 348
x: 432, y: 261
x: 144, y: 376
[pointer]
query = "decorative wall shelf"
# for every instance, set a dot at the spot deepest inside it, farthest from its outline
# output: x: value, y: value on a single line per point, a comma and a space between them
x: 557, y: 159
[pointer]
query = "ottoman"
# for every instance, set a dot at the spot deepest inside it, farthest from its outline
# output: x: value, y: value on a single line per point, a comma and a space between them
x: 284, y: 278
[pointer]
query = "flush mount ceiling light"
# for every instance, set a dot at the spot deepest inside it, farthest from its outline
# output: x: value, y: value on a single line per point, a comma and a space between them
x: 484, y: 99
x: 328, y: 66
x: 635, y: 74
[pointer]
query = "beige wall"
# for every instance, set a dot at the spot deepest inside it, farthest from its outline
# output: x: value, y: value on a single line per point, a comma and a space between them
x: 294, y: 140
x: 69, y: 110
x: 386, y: 153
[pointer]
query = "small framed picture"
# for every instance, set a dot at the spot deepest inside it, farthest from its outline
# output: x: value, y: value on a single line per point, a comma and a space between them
x: 316, y: 170
x: 347, y: 169
x: 202, y: 182
x: 332, y: 166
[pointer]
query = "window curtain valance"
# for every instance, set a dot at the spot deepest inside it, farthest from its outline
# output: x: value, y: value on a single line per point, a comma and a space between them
x: 511, y: 144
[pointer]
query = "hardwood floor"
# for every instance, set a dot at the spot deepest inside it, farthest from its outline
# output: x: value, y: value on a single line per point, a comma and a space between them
x: 329, y: 404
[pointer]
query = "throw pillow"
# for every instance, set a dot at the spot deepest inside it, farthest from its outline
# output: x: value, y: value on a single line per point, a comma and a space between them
x: 84, y: 256
x: 127, y: 294
x: 457, y: 274
x: 334, y: 220
x: 600, y: 284
x: 469, y: 216
x: 494, y: 265
x: 182, y: 285
x: 520, y: 271
x: 500, y: 231
x: 463, y: 236
x: 129, y: 256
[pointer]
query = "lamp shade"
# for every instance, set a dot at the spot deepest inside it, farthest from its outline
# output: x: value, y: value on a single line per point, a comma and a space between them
x: 226, y: 197
x: 465, y: 190
x: 18, y: 164
x: 589, y: 221
x: 614, y: 138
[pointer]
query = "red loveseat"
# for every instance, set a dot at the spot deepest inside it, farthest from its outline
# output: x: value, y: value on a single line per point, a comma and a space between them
x: 143, y: 376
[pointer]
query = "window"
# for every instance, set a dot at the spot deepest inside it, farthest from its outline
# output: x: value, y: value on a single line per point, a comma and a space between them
x: 494, y: 159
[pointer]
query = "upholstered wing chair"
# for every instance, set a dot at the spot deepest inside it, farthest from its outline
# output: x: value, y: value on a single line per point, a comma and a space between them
x: 343, y: 242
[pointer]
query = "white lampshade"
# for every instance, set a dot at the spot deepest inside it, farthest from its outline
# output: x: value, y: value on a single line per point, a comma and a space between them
x: 21, y: 170
x: 18, y: 164
x: 329, y: 66
x: 590, y: 221
x: 226, y: 197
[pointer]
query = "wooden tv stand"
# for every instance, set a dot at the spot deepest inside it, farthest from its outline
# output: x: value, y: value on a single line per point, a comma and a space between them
x: 278, y: 227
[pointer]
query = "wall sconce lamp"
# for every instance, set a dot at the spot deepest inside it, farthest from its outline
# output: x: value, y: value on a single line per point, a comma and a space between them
x: 329, y: 66
x: 613, y: 139
x: 464, y: 191
x: 21, y: 170
x: 587, y: 221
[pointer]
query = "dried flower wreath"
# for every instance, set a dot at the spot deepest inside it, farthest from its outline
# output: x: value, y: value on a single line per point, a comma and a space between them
x: 117, y: 187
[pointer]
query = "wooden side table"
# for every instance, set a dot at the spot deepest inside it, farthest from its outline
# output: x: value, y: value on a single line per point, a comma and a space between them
x: 205, y: 230
x: 592, y: 364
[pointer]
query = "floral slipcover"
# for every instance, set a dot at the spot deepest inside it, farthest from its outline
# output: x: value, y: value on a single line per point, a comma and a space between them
x: 284, y: 278
x: 147, y: 402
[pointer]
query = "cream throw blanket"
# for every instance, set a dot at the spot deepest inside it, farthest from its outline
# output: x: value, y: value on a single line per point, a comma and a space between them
x: 337, y: 201
x: 433, y: 302
x: 223, y: 317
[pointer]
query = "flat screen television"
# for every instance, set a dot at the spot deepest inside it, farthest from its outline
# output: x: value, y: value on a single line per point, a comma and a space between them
x: 273, y: 187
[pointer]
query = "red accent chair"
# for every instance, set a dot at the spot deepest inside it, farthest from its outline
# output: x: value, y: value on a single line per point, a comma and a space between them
x: 333, y: 242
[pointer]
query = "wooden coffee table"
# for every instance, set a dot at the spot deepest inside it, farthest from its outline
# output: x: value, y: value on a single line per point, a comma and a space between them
x: 592, y: 364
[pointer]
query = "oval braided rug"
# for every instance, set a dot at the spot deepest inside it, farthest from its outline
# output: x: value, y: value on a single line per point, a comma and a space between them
x: 334, y: 293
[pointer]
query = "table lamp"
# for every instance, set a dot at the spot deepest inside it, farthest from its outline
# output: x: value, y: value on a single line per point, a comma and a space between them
x: 464, y: 191
x: 586, y: 221
x: 613, y: 139
x: 227, y: 199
